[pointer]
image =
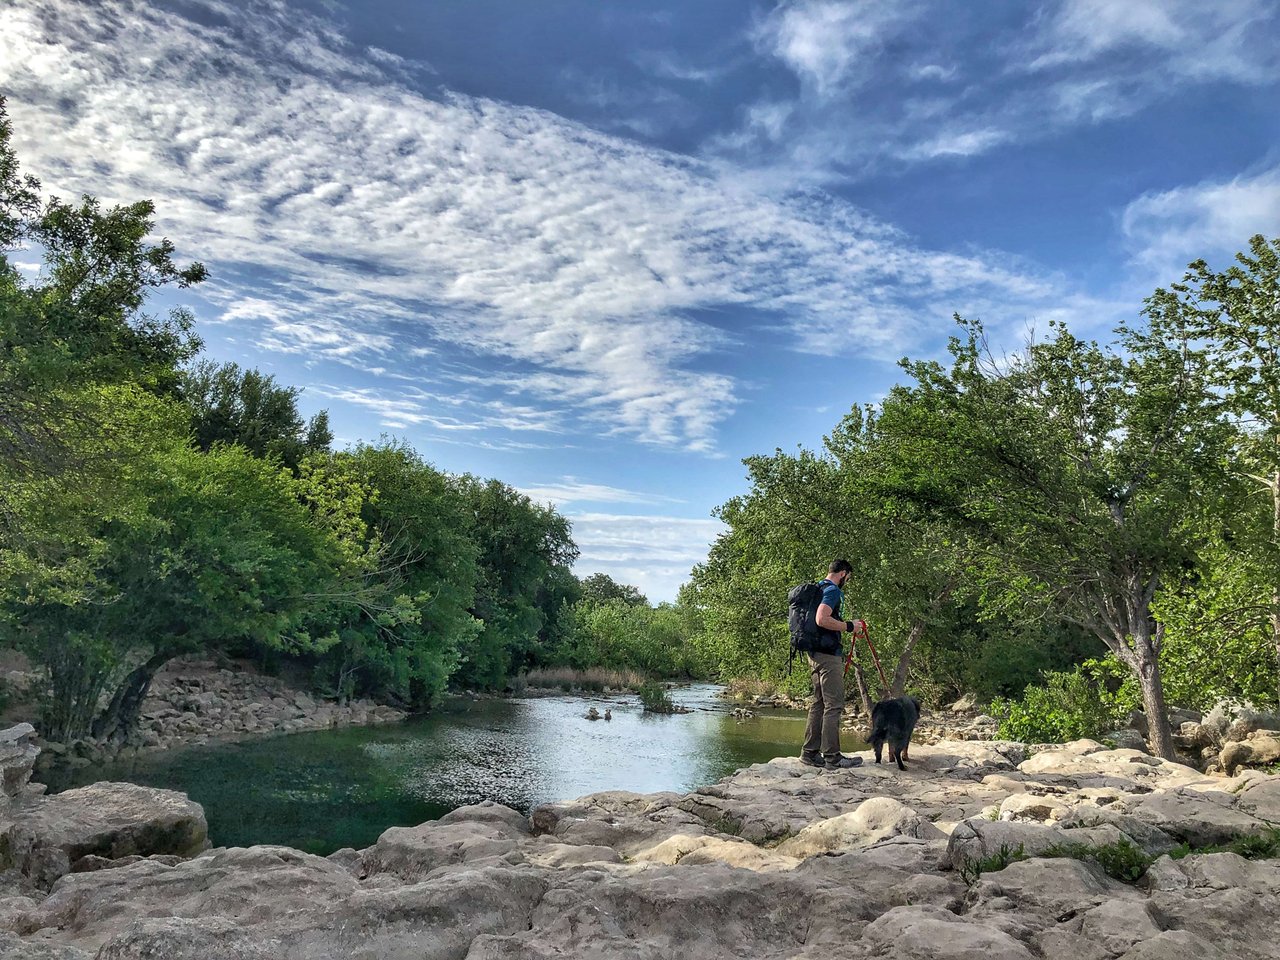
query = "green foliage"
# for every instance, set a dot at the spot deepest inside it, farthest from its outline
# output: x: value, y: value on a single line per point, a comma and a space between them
x: 403, y: 640
x: 523, y: 554
x: 1123, y: 860
x: 1264, y: 845
x: 601, y: 588
x: 617, y: 633
x: 1217, y: 631
x: 972, y: 868
x: 192, y: 551
x: 245, y: 407
x: 1069, y: 706
x: 655, y: 699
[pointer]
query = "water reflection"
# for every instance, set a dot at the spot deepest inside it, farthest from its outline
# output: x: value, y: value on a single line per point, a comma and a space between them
x: 329, y: 789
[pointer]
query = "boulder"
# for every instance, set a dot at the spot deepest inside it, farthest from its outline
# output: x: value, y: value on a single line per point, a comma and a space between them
x: 1126, y: 739
x: 976, y: 840
x: 874, y: 820
x: 44, y: 839
x: 1027, y: 806
x: 934, y: 933
x: 1197, y: 817
x: 18, y: 754
x: 15, y: 948
x: 1236, y: 719
x: 414, y: 853
x: 1258, y: 750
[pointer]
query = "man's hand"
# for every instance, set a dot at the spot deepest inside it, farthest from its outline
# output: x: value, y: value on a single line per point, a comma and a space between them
x: 855, y: 626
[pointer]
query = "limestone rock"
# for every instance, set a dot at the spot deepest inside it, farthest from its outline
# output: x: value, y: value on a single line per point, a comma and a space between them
x: 14, y: 948
x: 44, y: 839
x: 935, y: 933
x: 976, y: 840
x: 18, y: 754
x: 874, y: 820
x: 1127, y: 738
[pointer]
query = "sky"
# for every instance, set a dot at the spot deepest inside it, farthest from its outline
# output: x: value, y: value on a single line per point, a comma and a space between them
x: 604, y: 251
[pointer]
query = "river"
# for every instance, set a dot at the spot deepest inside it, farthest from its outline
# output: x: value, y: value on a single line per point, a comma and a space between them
x: 329, y: 789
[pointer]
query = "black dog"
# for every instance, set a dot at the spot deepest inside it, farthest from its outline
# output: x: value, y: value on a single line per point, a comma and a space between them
x: 893, y: 721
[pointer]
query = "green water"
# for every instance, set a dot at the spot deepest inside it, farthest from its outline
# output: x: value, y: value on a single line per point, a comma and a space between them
x: 341, y: 788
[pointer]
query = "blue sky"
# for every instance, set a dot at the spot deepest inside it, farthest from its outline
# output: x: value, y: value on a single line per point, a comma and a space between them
x: 603, y: 251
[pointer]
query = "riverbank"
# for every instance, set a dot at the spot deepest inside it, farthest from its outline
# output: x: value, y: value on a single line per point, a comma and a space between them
x: 195, y: 702
x: 977, y: 850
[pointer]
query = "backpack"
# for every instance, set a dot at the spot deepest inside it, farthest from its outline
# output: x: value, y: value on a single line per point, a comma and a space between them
x: 802, y: 618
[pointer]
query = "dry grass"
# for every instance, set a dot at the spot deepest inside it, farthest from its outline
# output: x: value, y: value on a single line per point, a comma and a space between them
x: 595, y: 678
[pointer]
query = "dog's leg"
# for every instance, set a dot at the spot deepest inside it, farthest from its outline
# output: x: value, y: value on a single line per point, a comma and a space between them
x: 878, y: 746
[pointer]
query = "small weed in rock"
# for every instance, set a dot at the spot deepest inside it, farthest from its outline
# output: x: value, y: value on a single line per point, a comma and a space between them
x: 728, y: 825
x: 1123, y: 860
x: 1251, y: 846
x: 971, y: 868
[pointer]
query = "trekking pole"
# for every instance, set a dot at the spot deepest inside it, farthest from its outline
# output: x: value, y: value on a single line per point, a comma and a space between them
x: 865, y: 635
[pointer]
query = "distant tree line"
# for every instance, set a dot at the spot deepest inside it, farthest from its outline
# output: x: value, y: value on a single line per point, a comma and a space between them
x: 1097, y: 524
x: 153, y: 506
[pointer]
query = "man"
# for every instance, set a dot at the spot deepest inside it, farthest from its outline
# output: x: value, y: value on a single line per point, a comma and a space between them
x: 822, y: 732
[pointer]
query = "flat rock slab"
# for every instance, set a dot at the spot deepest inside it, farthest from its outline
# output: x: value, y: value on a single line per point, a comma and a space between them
x: 45, y: 838
x: 777, y: 862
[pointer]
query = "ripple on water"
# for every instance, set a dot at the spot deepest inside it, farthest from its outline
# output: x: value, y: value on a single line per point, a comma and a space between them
x: 327, y: 789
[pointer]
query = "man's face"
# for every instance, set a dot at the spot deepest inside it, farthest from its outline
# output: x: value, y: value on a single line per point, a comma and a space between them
x: 841, y: 577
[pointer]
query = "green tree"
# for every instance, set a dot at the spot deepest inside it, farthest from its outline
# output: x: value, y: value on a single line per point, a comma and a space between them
x: 231, y: 405
x: 197, y: 550
x: 80, y: 326
x: 601, y: 588
x: 1233, y: 316
x: 1076, y: 470
x: 524, y: 552
x: 402, y: 641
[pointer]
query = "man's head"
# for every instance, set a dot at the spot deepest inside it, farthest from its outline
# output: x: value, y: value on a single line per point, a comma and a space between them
x: 838, y: 572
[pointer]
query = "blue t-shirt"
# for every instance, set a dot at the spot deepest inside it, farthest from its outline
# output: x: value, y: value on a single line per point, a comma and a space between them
x: 832, y: 597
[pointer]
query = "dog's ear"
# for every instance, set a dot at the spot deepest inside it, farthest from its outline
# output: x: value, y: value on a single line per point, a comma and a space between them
x: 919, y: 705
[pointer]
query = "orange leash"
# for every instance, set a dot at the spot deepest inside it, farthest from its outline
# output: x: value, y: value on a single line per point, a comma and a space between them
x: 865, y: 635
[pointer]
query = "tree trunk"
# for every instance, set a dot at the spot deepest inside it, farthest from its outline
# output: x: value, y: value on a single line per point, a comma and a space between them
x: 121, y: 715
x: 861, y: 679
x: 1275, y: 593
x: 1158, y: 727
x: 899, y: 684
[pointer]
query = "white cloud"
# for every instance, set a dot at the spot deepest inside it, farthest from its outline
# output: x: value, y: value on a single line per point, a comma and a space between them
x: 1167, y: 230
x: 654, y: 553
x: 1227, y: 39
x: 571, y: 490
x: 868, y: 97
x: 414, y: 407
x: 828, y: 43
x: 372, y: 222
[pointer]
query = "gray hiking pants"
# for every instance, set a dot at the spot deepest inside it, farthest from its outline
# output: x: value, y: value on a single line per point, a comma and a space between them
x: 822, y: 732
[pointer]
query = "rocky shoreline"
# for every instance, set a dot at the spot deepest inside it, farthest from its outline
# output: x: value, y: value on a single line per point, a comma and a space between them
x: 981, y: 850
x: 194, y: 702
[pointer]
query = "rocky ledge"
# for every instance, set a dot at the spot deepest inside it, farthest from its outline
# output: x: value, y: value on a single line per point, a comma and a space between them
x: 193, y: 702
x: 979, y: 851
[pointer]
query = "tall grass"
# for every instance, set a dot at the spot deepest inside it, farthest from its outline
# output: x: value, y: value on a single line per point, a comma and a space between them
x: 595, y: 679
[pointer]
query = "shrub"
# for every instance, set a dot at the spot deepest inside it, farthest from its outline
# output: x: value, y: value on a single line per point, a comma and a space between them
x: 654, y: 697
x: 1122, y: 860
x: 1068, y: 707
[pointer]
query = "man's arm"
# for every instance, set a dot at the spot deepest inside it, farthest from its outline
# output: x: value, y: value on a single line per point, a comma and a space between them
x: 826, y: 620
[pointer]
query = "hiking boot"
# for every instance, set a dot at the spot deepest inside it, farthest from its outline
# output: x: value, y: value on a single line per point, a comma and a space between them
x: 843, y: 763
x: 812, y: 760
